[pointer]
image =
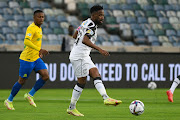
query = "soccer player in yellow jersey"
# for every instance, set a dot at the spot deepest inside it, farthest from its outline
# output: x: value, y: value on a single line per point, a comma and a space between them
x: 30, y: 59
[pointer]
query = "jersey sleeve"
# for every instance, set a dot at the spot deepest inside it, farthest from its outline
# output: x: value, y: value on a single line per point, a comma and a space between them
x: 28, y: 37
x: 29, y: 33
x: 31, y: 45
x: 90, y: 28
x: 78, y: 28
x: 90, y: 32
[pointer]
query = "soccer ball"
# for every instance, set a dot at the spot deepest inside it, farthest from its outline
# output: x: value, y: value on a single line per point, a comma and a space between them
x: 152, y: 85
x: 136, y: 107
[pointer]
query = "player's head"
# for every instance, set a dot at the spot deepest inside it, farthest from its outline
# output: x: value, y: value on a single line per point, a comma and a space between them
x: 38, y: 17
x: 97, y: 14
x: 71, y: 30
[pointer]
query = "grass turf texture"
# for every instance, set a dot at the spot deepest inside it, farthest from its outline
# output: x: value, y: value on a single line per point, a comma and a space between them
x: 52, y: 105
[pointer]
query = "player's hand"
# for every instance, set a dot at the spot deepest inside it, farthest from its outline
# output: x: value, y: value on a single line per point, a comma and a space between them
x: 104, y: 52
x: 43, y: 52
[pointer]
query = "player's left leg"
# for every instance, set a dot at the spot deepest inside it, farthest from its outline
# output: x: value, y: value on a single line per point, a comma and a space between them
x: 40, y: 82
x: 172, y: 89
x: 94, y: 73
x: 42, y: 70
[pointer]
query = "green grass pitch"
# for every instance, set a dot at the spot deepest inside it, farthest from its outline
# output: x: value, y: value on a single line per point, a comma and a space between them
x: 52, y: 105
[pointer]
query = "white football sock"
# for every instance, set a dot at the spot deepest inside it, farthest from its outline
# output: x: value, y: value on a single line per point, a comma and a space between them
x: 101, y: 89
x: 75, y: 96
x: 174, y: 85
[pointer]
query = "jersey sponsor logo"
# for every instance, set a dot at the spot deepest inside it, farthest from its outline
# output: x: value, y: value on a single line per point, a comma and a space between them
x: 25, y: 75
x: 85, y: 23
x: 28, y: 34
x: 78, y: 28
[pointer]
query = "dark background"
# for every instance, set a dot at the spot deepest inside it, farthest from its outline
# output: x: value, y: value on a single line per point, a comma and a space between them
x: 10, y: 68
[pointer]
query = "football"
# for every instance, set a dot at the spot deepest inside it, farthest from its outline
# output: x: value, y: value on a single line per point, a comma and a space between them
x: 152, y: 85
x: 136, y: 107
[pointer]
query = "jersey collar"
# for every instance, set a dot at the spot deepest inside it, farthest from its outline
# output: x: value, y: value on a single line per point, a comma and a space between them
x: 92, y: 21
x: 35, y: 25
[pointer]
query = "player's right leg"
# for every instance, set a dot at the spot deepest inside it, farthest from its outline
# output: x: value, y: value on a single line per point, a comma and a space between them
x: 24, y: 72
x: 75, y: 97
x: 9, y: 105
x: 78, y: 66
x: 16, y: 87
x: 74, y: 112
x: 172, y: 89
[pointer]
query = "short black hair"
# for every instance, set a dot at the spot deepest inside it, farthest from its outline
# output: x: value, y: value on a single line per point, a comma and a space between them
x: 38, y: 11
x: 71, y: 26
x: 96, y: 8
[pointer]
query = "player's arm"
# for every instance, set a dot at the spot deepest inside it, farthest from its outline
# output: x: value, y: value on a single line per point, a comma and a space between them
x: 87, y: 42
x: 75, y: 34
x: 28, y: 42
x: 42, y: 52
x: 28, y: 37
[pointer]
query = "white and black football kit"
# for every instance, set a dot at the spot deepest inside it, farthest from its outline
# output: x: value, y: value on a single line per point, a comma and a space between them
x: 79, y: 55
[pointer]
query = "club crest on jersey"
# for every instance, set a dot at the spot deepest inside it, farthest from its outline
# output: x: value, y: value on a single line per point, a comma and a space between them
x: 28, y: 34
x: 25, y: 75
x: 90, y: 32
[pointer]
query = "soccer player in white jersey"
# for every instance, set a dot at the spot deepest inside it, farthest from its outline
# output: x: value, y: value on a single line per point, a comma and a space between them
x: 172, y: 89
x: 83, y: 66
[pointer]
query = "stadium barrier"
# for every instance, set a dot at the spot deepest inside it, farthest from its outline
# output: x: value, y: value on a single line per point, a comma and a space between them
x: 112, y: 48
x: 119, y: 70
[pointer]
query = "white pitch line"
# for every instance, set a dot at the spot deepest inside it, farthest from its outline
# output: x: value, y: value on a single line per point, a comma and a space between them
x: 21, y: 99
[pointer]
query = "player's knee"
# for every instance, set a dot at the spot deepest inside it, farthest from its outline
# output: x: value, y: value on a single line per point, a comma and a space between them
x: 81, y: 85
x: 82, y: 82
x: 22, y: 81
x: 45, y: 78
x: 97, y: 78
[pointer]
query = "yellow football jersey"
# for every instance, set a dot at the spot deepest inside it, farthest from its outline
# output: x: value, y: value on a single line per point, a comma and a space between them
x: 34, y: 34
